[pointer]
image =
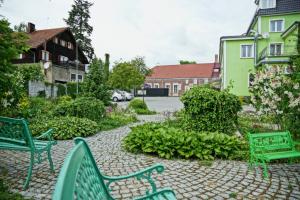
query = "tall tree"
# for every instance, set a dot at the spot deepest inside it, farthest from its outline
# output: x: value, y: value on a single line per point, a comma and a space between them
x: 78, y: 21
x: 11, y: 45
x: 94, y: 82
x: 139, y: 63
x: 22, y: 27
x: 125, y: 76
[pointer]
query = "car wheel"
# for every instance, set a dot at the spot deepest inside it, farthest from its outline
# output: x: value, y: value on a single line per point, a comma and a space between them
x: 115, y: 99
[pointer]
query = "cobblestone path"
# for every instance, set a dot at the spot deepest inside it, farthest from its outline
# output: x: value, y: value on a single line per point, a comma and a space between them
x: 190, y: 180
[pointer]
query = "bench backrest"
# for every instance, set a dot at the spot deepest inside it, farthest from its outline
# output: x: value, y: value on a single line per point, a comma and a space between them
x: 270, y: 142
x: 16, y: 131
x: 80, y: 177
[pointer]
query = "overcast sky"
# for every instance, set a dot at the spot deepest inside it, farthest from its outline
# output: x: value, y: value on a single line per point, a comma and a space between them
x: 164, y: 31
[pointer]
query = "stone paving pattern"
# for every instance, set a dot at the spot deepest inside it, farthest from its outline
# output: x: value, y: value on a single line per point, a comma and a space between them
x: 190, y: 180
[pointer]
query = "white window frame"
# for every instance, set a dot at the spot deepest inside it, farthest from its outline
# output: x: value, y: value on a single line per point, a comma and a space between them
x: 269, y: 6
x: 79, y: 80
x: 156, y: 84
x: 20, y: 56
x: 55, y: 40
x: 276, y: 29
x: 70, y: 45
x: 173, y: 88
x: 73, y: 80
x: 195, y: 81
x: 252, y: 51
x: 45, y: 55
x: 63, y: 43
x: 282, y: 46
x: 150, y: 84
x: 168, y: 84
x: 63, y: 59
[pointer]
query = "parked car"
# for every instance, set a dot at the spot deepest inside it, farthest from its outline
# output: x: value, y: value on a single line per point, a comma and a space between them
x: 117, y: 96
x: 128, y: 96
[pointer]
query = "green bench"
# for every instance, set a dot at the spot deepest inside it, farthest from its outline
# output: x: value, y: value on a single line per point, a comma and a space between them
x: 265, y: 147
x: 15, y: 135
x: 80, y: 178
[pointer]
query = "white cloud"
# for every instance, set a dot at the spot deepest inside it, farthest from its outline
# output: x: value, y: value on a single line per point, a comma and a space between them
x: 164, y: 31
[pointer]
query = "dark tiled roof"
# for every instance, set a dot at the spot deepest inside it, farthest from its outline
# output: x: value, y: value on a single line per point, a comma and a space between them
x: 36, y: 38
x: 282, y: 6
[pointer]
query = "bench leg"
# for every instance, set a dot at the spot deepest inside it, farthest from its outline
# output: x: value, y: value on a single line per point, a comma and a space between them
x: 50, y: 160
x: 29, y: 171
x: 265, y: 170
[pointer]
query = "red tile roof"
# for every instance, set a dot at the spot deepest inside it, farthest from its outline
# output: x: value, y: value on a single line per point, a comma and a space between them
x: 38, y: 37
x: 204, y: 70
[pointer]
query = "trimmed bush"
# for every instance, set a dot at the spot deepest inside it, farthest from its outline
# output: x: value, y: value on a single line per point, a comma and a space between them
x: 209, y: 110
x: 65, y: 127
x: 170, y: 142
x: 140, y: 107
x: 85, y: 107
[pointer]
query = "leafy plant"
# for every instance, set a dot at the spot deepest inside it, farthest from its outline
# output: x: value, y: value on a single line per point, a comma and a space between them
x: 85, y: 107
x: 170, y: 142
x: 72, y: 89
x: 140, y: 107
x: 115, y: 120
x: 206, y: 109
x: 65, y: 127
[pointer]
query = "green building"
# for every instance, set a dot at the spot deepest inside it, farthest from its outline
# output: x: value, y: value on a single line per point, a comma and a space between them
x: 270, y: 40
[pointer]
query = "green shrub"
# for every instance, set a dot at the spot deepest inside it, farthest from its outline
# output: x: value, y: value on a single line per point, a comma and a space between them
x: 33, y: 107
x: 140, y: 107
x: 170, y: 142
x: 86, y: 107
x: 115, y: 120
x: 72, y: 89
x: 65, y: 127
x: 61, y: 90
x: 209, y: 110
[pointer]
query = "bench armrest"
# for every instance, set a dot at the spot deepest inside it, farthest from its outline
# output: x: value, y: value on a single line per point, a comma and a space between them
x: 47, y: 134
x: 143, y: 174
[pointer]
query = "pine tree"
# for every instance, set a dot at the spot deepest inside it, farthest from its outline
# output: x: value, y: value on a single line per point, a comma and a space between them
x: 78, y: 21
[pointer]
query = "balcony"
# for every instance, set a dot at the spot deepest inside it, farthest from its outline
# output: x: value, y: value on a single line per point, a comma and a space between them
x: 277, y: 56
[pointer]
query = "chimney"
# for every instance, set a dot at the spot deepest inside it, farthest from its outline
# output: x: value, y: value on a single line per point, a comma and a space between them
x: 216, y: 58
x: 30, y: 27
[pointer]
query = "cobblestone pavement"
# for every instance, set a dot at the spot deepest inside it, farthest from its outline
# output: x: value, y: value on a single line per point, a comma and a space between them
x: 190, y: 180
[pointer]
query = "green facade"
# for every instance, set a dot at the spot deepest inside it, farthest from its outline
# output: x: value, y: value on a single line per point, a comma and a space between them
x: 236, y: 70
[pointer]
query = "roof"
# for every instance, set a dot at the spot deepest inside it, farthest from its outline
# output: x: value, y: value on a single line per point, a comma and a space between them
x: 290, y: 29
x: 244, y: 37
x: 204, y: 70
x: 282, y: 6
x: 36, y: 38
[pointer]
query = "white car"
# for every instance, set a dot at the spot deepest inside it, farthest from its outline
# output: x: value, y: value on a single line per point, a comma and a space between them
x: 128, y: 96
x: 117, y: 96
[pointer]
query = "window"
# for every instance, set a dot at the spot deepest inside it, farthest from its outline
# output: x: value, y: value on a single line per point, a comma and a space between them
x: 247, y: 51
x: 175, y: 89
x: 216, y: 70
x: 251, y: 78
x: 70, y: 45
x: 167, y: 85
x: 63, y: 43
x: 195, y: 81
x: 21, y: 56
x: 79, y: 78
x: 156, y: 85
x: 276, y: 49
x: 63, y: 59
x: 276, y: 25
x: 45, y: 55
x: 265, y: 4
x: 73, y: 77
x: 55, y: 40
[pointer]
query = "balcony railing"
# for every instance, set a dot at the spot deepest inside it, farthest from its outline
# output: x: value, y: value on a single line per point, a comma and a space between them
x: 288, y: 50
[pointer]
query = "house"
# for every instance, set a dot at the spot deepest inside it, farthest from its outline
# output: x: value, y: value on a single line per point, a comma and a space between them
x: 270, y: 40
x: 180, y: 78
x: 55, y: 49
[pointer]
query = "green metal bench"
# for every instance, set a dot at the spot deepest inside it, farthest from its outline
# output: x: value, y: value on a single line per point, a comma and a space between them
x: 16, y: 135
x: 265, y: 147
x: 80, y: 178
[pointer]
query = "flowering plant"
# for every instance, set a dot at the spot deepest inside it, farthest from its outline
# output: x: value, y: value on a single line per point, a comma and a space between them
x: 276, y: 91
